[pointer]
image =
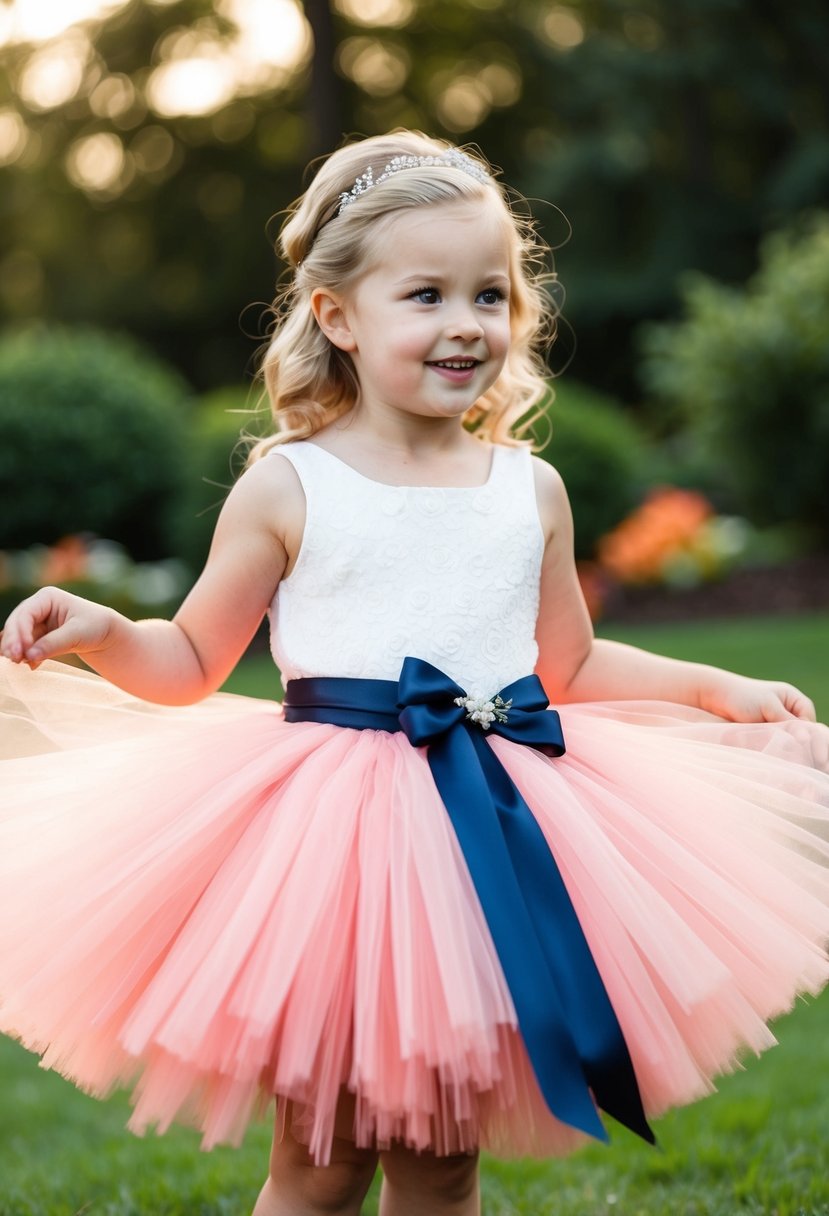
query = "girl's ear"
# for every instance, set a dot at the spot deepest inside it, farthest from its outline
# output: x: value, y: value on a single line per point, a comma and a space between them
x: 331, y: 318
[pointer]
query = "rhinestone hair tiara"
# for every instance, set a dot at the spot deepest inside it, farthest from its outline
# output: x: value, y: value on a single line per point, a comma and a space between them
x: 367, y: 181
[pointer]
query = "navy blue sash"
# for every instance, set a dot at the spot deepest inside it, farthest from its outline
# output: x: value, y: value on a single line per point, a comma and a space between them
x: 568, y: 1025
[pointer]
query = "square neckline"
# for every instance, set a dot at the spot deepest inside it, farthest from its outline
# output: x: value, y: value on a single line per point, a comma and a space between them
x: 391, y: 485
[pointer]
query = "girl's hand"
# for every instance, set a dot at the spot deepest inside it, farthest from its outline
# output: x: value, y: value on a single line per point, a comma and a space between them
x: 741, y: 699
x: 53, y: 622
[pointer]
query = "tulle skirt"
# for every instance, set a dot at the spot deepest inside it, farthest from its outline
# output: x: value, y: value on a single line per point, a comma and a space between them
x: 213, y: 906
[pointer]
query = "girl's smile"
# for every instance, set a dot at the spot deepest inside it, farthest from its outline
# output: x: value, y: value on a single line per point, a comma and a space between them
x: 458, y: 371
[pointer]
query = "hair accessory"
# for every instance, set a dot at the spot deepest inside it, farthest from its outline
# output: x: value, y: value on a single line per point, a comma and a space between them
x: 454, y: 159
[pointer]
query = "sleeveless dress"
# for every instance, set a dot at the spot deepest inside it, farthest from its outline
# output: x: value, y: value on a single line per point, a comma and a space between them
x: 214, y: 905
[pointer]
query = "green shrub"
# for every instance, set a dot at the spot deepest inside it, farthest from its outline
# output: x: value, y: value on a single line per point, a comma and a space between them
x: 600, y: 453
x: 215, y: 458
x: 91, y: 440
x: 746, y: 373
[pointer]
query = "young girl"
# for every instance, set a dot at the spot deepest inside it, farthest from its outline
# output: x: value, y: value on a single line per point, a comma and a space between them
x: 397, y: 903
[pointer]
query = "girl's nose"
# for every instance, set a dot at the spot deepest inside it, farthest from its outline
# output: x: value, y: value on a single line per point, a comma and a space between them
x: 464, y: 324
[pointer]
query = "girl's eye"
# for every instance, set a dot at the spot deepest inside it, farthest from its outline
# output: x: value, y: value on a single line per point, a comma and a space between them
x: 425, y: 295
x: 492, y: 295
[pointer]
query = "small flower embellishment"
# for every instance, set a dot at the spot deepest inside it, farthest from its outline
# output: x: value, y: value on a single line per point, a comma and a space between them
x: 484, y: 710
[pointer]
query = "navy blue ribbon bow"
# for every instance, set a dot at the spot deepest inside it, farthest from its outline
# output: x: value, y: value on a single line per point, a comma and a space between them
x: 568, y: 1025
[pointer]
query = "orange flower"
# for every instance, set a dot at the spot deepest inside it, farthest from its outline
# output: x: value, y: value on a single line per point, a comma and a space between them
x: 66, y: 560
x: 665, y: 524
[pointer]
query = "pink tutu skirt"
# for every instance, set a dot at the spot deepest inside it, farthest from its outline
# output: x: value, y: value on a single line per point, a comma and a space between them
x: 214, y: 906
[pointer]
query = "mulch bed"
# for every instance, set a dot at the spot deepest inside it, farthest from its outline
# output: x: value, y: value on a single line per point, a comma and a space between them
x: 799, y: 585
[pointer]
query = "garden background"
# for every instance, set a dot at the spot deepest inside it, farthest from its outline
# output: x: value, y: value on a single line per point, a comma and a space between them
x: 676, y: 156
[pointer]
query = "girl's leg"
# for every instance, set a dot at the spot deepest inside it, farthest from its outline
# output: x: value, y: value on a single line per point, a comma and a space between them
x: 418, y: 1183
x: 298, y: 1187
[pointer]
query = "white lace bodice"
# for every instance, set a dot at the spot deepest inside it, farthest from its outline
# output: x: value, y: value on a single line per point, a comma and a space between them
x: 449, y: 575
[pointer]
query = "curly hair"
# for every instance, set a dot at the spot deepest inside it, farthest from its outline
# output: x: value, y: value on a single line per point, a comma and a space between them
x: 309, y: 381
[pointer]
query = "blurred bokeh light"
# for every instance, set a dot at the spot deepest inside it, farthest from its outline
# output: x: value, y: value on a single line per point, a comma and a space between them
x: 199, y: 68
x: 39, y: 20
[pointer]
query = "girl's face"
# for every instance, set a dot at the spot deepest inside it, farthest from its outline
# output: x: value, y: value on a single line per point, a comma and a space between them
x: 428, y: 326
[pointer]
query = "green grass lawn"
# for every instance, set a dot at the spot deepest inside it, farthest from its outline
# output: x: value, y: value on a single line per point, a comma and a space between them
x: 757, y: 1146
x: 794, y: 648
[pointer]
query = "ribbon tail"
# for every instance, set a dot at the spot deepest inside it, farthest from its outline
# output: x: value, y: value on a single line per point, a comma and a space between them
x: 587, y: 1008
x: 542, y: 1021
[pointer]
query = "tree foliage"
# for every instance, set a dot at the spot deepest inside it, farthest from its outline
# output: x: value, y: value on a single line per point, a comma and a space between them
x: 672, y: 134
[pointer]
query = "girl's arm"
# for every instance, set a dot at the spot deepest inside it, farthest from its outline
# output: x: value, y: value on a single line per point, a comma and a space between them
x: 575, y: 666
x: 180, y: 661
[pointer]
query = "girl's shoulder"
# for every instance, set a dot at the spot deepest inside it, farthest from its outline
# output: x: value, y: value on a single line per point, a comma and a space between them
x: 267, y: 499
x: 547, y: 477
x: 551, y: 496
x: 268, y: 485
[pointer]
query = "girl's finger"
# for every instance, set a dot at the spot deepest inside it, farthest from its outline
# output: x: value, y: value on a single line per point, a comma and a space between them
x: 803, y: 708
x: 11, y: 646
x: 795, y: 703
x: 62, y: 640
x: 27, y: 622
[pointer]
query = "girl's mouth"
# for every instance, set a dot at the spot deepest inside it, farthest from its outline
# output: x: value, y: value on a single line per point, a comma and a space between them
x: 457, y: 370
x: 455, y: 364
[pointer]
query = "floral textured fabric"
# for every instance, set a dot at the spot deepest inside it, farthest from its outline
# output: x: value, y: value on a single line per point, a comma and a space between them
x: 450, y: 575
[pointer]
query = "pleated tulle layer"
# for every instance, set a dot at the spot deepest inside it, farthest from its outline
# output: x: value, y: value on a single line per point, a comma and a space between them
x: 213, y: 906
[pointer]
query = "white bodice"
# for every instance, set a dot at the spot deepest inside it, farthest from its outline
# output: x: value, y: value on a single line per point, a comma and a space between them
x: 449, y: 575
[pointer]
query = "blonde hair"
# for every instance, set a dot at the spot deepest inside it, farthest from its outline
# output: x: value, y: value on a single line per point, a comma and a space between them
x: 309, y: 381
